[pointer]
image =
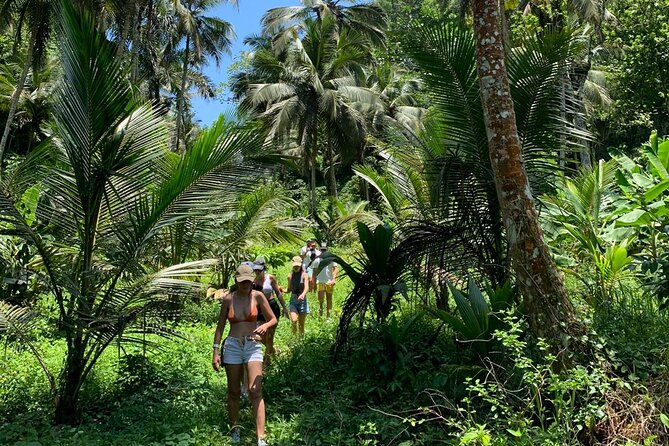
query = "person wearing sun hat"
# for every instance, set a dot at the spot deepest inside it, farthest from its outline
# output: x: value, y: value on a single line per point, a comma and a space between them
x: 266, y: 283
x: 298, y: 287
x: 242, y: 348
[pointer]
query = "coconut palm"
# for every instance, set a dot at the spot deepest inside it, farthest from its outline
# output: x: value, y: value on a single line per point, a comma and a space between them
x: 308, y: 92
x: 438, y: 182
x: 201, y: 36
x: 397, y: 104
x: 36, y: 15
x: 368, y: 19
x: 110, y: 188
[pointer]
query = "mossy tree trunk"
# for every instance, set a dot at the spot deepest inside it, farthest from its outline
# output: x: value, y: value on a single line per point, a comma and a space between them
x: 550, y: 312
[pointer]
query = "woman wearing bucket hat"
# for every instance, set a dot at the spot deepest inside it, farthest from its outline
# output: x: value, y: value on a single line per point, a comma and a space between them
x: 298, y: 286
x: 266, y: 283
x: 242, y: 348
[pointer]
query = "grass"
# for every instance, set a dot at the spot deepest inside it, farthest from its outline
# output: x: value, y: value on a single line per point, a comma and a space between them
x: 173, y: 396
x: 380, y: 392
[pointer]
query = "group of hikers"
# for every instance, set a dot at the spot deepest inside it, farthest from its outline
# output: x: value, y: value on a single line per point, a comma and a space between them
x: 250, y: 307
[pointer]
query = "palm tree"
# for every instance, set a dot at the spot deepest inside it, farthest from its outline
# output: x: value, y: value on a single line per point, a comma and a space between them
x: 368, y: 19
x: 201, y: 36
x: 260, y: 218
x: 397, y: 104
x: 437, y: 183
x: 36, y: 14
x: 549, y: 309
x: 308, y: 92
x: 110, y: 188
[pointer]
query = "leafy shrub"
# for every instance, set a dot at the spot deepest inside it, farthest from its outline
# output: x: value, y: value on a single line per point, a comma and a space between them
x: 521, y: 400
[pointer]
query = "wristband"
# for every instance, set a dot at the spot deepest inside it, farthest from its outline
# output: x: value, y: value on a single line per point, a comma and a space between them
x: 216, y: 345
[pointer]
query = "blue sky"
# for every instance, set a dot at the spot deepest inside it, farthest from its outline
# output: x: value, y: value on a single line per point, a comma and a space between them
x: 246, y: 21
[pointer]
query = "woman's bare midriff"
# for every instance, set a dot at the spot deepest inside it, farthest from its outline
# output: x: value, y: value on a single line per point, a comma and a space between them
x: 241, y: 329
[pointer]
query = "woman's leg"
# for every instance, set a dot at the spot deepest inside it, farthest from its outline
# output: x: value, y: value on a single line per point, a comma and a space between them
x: 254, y: 370
x: 234, y: 374
x: 321, y: 296
x: 293, y: 320
x: 301, y: 318
x: 328, y: 298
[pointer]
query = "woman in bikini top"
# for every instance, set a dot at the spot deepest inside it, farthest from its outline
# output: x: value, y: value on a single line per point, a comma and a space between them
x: 252, y: 313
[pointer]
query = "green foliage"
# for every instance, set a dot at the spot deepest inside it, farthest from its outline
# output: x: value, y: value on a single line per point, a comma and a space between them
x: 639, y: 72
x: 583, y: 217
x: 522, y: 400
x: 644, y: 185
x: 376, y: 275
x: 110, y: 189
x: 478, y: 319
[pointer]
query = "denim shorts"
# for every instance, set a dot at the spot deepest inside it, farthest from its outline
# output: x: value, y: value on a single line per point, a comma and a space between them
x: 298, y: 306
x: 241, y: 350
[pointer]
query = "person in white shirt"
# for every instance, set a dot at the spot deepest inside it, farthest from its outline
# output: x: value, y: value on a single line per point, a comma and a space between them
x: 305, y: 248
x: 307, y: 262
x: 325, y: 281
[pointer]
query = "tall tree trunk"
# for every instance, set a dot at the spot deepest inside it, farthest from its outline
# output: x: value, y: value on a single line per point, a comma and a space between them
x: 550, y: 312
x: 71, y: 379
x: 17, y: 95
x: 332, y: 179
x: 181, y: 97
x: 125, y: 29
x: 313, y: 148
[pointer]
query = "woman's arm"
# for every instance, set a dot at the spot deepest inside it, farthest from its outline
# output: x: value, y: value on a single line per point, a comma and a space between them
x: 266, y: 311
x: 305, y: 278
x: 220, y: 328
x: 278, y: 293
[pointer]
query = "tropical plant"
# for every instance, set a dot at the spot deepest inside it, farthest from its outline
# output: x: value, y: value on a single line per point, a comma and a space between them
x: 36, y: 14
x: 110, y: 188
x: 397, y: 103
x: 376, y: 276
x: 202, y: 36
x: 303, y: 83
x: 368, y: 19
x: 259, y: 219
x: 645, y: 208
x: 584, y: 217
x: 478, y: 318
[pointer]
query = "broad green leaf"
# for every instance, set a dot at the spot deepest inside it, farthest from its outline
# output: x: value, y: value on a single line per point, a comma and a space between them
x: 28, y: 204
x: 637, y: 217
x: 474, y: 329
x: 643, y: 180
x: 652, y: 193
x: 665, y: 420
x: 479, y: 304
x: 620, y: 258
x: 657, y: 165
x: 515, y: 433
x: 628, y: 164
x: 663, y: 153
x: 456, y: 324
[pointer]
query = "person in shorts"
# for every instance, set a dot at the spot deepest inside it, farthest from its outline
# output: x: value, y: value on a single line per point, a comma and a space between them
x: 325, y: 279
x: 242, y: 348
x: 298, y: 287
x: 266, y: 283
x: 308, y: 261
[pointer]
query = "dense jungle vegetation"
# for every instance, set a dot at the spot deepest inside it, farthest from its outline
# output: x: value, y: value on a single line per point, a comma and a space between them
x: 491, y: 177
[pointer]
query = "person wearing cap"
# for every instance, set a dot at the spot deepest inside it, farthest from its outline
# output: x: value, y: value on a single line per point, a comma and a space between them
x: 308, y: 261
x: 325, y: 279
x: 266, y: 283
x: 242, y: 348
x: 298, y: 287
